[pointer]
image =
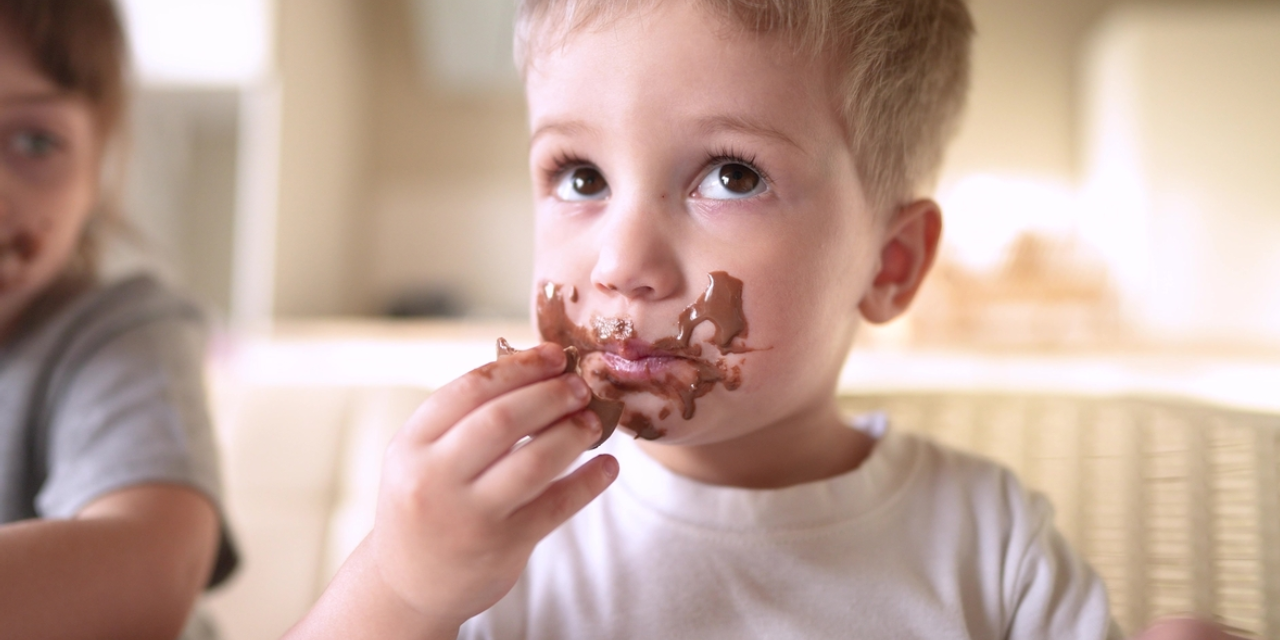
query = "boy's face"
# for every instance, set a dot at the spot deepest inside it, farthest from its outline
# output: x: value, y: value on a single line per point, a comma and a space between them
x: 666, y: 147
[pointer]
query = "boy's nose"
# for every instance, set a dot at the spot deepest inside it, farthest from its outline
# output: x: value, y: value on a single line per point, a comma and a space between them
x: 636, y: 258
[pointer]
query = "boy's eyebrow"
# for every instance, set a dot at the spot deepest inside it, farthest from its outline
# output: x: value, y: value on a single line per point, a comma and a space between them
x: 740, y: 124
x: 709, y: 124
x: 563, y: 127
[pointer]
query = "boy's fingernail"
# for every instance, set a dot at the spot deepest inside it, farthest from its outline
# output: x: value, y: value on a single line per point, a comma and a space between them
x: 579, y: 387
x: 609, y: 467
x: 552, y: 356
x: 588, y: 420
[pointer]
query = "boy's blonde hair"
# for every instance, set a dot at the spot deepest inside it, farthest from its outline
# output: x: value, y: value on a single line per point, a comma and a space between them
x: 902, y: 68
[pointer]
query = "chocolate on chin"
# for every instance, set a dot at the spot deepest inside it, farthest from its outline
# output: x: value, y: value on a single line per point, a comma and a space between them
x: 609, y: 411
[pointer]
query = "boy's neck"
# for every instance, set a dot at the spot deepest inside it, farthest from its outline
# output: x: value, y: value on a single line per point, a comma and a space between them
x: 796, y: 450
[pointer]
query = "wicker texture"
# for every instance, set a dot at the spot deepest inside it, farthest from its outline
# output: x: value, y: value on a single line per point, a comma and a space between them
x: 1175, y: 504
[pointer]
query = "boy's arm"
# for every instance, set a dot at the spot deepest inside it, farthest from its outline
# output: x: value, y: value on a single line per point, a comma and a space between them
x: 460, y: 506
x: 130, y: 565
x: 359, y: 604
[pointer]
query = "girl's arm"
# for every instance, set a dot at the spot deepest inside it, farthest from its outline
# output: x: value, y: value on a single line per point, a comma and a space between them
x: 130, y: 565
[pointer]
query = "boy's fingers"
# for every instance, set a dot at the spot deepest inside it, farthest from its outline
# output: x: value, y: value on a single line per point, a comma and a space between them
x: 522, y: 475
x: 489, y: 433
x: 566, y: 497
x: 455, y: 400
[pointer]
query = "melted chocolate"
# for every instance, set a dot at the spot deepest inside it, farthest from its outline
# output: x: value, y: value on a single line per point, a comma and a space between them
x: 609, y: 411
x: 641, y: 426
x: 720, y: 304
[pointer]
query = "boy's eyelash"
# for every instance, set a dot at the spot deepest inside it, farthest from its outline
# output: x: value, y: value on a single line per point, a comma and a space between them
x: 563, y: 161
x: 560, y: 162
x: 729, y: 155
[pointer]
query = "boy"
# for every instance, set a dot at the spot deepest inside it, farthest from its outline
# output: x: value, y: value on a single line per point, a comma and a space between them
x: 777, y: 152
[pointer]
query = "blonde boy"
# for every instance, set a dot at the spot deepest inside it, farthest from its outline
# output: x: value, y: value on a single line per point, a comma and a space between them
x: 785, y: 146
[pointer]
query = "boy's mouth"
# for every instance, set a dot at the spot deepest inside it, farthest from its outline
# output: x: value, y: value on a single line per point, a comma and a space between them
x: 634, y: 368
x: 672, y: 367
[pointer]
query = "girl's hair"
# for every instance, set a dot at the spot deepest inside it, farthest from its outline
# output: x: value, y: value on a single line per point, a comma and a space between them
x: 901, y: 68
x: 80, y: 46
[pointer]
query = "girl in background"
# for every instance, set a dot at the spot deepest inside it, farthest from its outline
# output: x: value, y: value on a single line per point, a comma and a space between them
x: 109, y: 517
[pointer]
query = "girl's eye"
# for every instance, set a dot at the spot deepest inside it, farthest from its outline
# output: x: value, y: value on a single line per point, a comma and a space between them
x: 582, y: 183
x: 731, y: 181
x: 33, y: 144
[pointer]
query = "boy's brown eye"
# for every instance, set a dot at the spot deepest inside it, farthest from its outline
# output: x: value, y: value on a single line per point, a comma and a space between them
x: 731, y: 181
x: 581, y: 183
x: 587, y: 181
x: 739, y: 178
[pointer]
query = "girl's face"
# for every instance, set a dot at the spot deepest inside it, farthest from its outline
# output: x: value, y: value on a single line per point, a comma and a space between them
x: 49, y: 157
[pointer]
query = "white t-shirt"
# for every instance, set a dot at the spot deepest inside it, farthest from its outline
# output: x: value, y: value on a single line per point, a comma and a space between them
x: 919, y: 542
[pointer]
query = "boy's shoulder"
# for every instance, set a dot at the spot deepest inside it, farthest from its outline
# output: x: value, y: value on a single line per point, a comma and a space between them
x: 938, y: 472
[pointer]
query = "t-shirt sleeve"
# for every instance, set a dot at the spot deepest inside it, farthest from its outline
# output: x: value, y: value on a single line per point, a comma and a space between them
x: 132, y: 412
x: 1054, y: 592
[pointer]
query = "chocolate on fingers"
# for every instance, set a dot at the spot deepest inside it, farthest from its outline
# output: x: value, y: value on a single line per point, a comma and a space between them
x: 608, y: 411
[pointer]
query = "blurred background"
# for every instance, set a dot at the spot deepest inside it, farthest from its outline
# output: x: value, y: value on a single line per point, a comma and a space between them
x: 344, y: 183
x: 1113, y: 184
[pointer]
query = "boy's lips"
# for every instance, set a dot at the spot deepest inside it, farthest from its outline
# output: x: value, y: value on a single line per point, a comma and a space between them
x: 641, y: 365
x: 635, y: 349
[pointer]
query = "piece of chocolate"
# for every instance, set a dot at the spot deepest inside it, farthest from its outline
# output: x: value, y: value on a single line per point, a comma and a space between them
x: 608, y: 411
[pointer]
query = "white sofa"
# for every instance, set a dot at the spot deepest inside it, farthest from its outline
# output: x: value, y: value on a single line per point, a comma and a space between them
x: 1176, y: 502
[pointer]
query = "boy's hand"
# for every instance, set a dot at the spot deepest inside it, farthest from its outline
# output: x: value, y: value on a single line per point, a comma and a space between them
x: 459, y: 511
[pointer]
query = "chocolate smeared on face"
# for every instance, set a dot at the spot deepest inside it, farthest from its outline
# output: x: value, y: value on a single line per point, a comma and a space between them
x: 642, y: 426
x: 720, y: 304
x: 609, y: 411
x: 612, y: 329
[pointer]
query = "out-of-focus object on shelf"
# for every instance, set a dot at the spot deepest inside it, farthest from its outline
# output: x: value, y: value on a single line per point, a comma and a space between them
x: 1049, y: 293
x: 1167, y: 237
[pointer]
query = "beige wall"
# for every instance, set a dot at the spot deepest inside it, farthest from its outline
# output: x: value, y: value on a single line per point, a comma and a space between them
x: 180, y: 192
x: 1021, y: 114
x: 1183, y: 167
x: 324, y: 124
x: 450, y: 190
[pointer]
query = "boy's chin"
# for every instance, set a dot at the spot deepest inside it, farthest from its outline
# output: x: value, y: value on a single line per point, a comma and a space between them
x: 649, y: 417
x: 659, y: 420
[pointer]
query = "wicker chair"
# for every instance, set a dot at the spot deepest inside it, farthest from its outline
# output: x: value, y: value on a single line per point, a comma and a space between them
x: 1176, y: 504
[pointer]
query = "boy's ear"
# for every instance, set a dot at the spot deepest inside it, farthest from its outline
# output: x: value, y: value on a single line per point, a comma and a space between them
x: 909, y: 247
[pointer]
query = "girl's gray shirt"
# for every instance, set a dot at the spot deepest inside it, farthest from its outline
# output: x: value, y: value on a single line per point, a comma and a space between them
x: 102, y: 388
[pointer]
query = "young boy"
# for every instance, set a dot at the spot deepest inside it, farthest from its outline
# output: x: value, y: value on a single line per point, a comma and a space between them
x: 782, y: 152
